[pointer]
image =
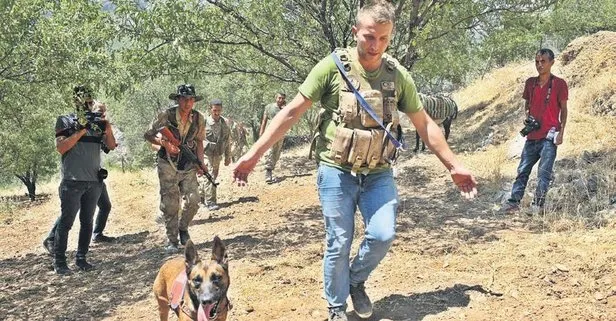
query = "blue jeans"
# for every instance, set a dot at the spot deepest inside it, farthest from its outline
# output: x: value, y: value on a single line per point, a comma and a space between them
x: 341, y: 194
x: 544, y: 151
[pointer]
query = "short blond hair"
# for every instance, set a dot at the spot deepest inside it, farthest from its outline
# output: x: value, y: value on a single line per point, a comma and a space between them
x: 381, y: 11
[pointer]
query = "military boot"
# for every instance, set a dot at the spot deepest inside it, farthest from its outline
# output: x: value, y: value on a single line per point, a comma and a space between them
x: 268, y: 176
x: 184, y: 237
x: 83, y: 265
x: 61, y: 268
x: 361, y: 301
x: 48, y: 245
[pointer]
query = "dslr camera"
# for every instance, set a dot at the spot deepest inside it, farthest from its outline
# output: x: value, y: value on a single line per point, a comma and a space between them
x: 530, y: 124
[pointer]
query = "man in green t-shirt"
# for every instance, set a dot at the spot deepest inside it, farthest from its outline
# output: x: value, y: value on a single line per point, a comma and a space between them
x: 350, y: 174
x: 273, y: 154
x: 217, y: 146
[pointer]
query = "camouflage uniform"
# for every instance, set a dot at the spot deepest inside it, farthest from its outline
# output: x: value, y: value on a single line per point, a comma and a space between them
x: 238, y: 139
x: 177, y: 176
x: 273, y: 154
x: 217, y: 143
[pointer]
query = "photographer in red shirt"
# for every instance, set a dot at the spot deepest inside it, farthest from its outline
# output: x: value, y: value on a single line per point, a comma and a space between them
x: 546, y: 116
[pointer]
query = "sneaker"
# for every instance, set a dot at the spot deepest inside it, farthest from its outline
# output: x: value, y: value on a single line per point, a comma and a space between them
x: 61, y: 268
x: 535, y: 210
x: 101, y: 238
x: 83, y: 265
x: 48, y: 245
x: 172, y: 248
x: 337, y: 314
x: 509, y: 208
x: 213, y: 207
x: 361, y: 301
x: 184, y: 237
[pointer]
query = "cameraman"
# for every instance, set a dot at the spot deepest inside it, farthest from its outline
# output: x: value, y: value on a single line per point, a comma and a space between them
x: 546, y: 101
x: 78, y: 139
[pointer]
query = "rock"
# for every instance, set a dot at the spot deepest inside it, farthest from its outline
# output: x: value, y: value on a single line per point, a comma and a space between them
x: 599, y: 296
x: 316, y: 314
x: 562, y: 268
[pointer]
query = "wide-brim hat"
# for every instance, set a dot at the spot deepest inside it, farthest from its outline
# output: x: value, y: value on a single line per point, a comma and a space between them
x: 185, y: 90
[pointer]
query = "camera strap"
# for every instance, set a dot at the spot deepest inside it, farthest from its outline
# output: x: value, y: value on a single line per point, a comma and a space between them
x: 547, y: 97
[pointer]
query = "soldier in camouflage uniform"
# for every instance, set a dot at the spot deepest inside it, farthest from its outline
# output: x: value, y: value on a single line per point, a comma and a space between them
x: 217, y: 144
x: 238, y: 139
x: 177, y: 176
x: 273, y: 154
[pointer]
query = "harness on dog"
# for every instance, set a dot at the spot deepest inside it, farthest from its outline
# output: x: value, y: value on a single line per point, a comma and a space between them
x: 177, y: 302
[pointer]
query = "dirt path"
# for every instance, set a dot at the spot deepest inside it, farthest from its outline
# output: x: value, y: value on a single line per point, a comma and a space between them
x: 452, y: 259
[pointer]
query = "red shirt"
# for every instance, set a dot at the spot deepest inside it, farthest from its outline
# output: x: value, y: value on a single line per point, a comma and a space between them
x: 547, y: 114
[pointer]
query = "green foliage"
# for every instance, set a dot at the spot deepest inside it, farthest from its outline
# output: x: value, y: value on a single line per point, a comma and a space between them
x: 134, y: 53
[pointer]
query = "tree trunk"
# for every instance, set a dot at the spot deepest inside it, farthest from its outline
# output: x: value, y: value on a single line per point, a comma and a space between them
x: 29, y: 179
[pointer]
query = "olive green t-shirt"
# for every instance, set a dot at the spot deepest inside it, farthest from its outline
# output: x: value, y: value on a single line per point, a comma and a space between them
x: 271, y: 110
x: 323, y: 84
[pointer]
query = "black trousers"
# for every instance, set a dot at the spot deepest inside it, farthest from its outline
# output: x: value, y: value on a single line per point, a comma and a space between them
x: 75, y: 197
x: 104, y: 207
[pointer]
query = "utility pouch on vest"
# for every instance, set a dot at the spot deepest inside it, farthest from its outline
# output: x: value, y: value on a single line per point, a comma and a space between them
x: 359, y: 148
x: 389, y: 149
x: 347, y: 106
x: 375, y: 99
x: 341, y: 145
x: 390, y: 111
x: 376, y: 147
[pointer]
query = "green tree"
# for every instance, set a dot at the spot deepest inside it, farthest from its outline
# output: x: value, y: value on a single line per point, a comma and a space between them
x: 46, y: 47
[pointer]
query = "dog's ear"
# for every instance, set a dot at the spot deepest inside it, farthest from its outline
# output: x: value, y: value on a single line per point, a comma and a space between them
x: 190, y: 253
x: 219, y: 252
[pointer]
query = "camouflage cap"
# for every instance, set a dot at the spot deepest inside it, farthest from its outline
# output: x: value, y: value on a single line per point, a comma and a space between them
x: 82, y: 94
x: 185, y: 90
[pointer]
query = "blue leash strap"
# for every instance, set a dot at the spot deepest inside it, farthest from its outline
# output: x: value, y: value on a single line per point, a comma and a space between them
x: 364, y: 104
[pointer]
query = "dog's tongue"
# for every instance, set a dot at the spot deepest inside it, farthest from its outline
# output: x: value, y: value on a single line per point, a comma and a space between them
x: 203, y: 313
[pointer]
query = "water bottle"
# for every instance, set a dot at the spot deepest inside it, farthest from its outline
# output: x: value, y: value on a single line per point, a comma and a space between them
x: 551, y: 134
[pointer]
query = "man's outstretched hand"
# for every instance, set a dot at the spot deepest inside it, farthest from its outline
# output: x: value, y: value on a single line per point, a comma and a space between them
x: 465, y: 182
x: 242, y: 168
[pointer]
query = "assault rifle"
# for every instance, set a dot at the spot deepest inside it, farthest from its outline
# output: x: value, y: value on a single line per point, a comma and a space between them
x: 186, y: 152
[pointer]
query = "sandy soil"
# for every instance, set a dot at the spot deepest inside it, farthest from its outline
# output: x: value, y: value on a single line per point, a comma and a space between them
x: 452, y: 260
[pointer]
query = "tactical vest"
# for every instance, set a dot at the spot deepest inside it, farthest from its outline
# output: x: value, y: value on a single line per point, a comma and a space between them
x: 180, y: 160
x: 359, y: 141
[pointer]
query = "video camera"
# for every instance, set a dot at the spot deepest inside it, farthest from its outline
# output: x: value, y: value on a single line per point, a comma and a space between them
x: 92, y: 120
x: 95, y: 118
x: 530, y: 124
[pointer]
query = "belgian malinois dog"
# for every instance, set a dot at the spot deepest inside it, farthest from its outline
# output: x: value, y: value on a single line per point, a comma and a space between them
x: 194, y: 289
